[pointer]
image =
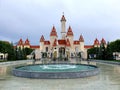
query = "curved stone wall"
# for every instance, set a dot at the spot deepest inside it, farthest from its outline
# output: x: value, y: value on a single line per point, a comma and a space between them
x: 55, y: 75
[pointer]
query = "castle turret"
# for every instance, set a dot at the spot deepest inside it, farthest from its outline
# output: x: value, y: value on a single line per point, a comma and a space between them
x: 53, y: 36
x: 20, y: 44
x: 63, y: 27
x: 103, y: 42
x: 27, y: 43
x: 81, y: 40
x: 70, y: 35
x: 42, y: 39
x: 96, y: 43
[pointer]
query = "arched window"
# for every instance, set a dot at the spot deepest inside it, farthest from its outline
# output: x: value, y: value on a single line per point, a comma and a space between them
x: 76, y: 49
x: 46, y: 49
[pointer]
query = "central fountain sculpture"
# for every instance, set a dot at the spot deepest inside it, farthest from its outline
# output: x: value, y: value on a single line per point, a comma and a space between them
x: 56, y: 71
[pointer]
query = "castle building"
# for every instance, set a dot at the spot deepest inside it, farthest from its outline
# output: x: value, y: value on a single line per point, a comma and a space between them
x: 65, y: 46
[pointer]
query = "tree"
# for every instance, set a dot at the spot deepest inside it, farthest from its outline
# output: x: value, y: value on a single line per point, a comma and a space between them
x: 102, y: 52
x: 6, y: 47
x: 28, y: 51
x: 93, y: 52
x: 109, y: 53
x: 20, y: 53
x: 115, y: 46
x: 11, y: 52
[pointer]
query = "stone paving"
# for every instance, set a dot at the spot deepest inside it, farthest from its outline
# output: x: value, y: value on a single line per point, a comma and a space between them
x: 108, y: 62
x: 108, y: 79
x: 16, y: 62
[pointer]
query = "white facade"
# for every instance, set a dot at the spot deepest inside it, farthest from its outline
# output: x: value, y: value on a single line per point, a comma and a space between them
x: 3, y: 56
x: 66, y: 46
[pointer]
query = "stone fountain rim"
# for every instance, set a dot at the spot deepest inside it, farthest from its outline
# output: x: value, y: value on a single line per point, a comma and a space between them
x: 55, y: 75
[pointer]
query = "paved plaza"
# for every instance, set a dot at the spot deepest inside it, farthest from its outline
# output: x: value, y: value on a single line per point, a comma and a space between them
x: 108, y: 79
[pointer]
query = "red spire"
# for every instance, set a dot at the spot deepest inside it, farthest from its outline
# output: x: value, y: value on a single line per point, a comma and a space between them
x: 81, y: 39
x: 103, y: 41
x: 63, y: 18
x: 27, y: 42
x: 20, y: 42
x: 96, y: 42
x: 69, y: 32
x: 67, y: 42
x: 53, y: 32
x: 42, y: 39
x: 55, y: 42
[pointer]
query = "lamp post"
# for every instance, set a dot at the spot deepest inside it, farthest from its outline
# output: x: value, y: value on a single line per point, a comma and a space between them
x: 115, y: 55
x: 5, y: 54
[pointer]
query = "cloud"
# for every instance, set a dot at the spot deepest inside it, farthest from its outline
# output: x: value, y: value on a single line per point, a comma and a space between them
x: 32, y: 18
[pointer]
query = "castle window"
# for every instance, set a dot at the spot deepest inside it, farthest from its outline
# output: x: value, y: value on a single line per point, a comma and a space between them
x: 76, y: 49
x: 46, y: 49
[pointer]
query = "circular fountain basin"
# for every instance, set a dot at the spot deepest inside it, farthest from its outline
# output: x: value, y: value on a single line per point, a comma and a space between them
x: 49, y: 71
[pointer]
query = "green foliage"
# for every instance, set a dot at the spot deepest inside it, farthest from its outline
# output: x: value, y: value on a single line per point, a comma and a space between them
x: 11, y: 52
x: 28, y: 51
x: 105, y: 53
x: 21, y: 53
x: 44, y: 55
x: 115, y: 46
x: 93, y: 51
x: 14, y: 53
x: 6, y: 47
x: 60, y: 57
x: 102, y: 52
x: 109, y: 54
x: 79, y: 54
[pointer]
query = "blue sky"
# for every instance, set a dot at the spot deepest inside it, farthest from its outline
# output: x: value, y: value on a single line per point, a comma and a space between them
x: 33, y: 18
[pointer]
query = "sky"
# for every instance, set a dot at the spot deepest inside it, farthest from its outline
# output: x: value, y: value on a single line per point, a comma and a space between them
x: 33, y: 18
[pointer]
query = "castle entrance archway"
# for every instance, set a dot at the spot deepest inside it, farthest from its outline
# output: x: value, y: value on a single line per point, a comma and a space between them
x: 62, y: 51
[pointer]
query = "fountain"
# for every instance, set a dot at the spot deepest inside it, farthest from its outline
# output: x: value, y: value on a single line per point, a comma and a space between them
x: 56, y: 71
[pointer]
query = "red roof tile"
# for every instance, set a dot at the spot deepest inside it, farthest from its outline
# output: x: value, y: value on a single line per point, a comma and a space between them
x: 76, y: 42
x: 81, y: 39
x: 96, y: 42
x: 20, y: 42
x: 53, y: 32
x: 88, y: 46
x: 46, y: 42
x: 69, y: 32
x: 62, y: 42
x: 63, y: 18
x: 68, y: 43
x: 42, y: 39
x: 27, y: 42
x: 15, y: 46
x: 103, y: 41
x: 34, y: 47
x: 55, y: 42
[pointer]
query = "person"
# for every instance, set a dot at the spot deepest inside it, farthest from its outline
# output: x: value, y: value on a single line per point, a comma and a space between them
x: 88, y: 61
x: 34, y: 58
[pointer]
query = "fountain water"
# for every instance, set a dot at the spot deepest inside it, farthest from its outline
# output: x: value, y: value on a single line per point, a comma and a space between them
x: 49, y: 71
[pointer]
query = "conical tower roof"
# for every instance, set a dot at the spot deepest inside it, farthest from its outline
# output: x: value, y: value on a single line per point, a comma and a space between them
x: 27, y: 42
x: 81, y: 39
x: 20, y: 42
x: 103, y: 41
x: 69, y: 32
x: 63, y: 18
x: 55, y: 42
x: 42, y: 39
x: 53, y: 32
x: 67, y: 42
x: 96, y: 42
